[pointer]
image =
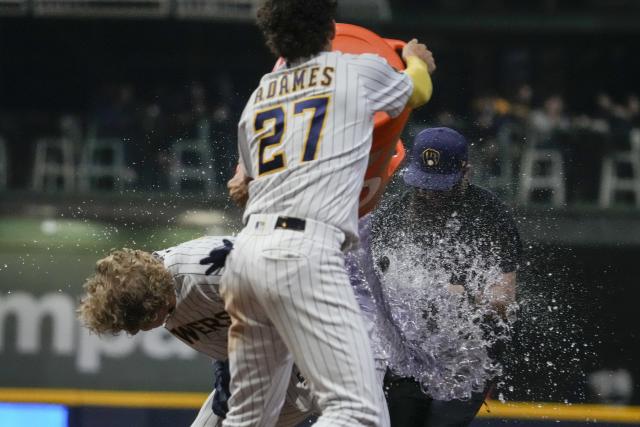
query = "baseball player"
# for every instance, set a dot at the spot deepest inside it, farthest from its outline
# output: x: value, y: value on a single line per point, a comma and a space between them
x: 457, y: 237
x: 136, y: 291
x: 304, y: 139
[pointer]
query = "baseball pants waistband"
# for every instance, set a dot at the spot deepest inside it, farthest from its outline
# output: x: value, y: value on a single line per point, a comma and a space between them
x: 264, y: 224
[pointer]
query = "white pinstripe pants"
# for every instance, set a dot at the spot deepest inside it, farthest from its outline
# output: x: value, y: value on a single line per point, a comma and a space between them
x: 298, y: 405
x: 289, y: 299
x: 291, y: 414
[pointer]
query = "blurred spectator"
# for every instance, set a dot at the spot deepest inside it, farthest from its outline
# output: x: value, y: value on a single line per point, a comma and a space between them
x: 520, y: 112
x: 550, y: 121
x: 489, y: 112
x: 521, y: 104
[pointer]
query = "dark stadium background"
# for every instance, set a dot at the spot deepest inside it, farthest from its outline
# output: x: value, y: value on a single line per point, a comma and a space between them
x: 578, y: 257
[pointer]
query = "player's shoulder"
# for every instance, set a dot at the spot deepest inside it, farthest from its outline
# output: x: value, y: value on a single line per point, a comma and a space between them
x: 185, y: 252
x: 361, y: 57
x: 247, y: 108
x: 183, y: 262
x: 366, y: 62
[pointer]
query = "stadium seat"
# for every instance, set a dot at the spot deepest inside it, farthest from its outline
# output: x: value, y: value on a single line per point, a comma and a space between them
x: 542, y: 169
x: 611, y: 182
x: 103, y: 165
x: 191, y: 162
x: 53, y: 167
x: 3, y: 164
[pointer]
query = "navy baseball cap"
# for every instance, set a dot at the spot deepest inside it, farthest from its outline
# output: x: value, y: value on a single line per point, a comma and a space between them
x: 437, y: 159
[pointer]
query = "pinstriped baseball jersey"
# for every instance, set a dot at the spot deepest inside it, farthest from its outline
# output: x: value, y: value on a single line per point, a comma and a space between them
x: 305, y: 135
x: 199, y: 319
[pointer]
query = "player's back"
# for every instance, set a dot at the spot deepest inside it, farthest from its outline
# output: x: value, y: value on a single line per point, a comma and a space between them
x: 199, y: 319
x: 306, y: 131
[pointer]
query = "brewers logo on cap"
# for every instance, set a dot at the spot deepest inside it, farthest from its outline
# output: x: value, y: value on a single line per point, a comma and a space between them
x: 431, y: 157
x: 437, y: 160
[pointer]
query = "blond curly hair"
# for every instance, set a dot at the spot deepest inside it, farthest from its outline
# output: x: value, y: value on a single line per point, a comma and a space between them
x: 128, y: 290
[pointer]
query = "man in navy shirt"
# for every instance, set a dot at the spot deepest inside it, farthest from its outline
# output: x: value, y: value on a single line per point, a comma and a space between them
x: 442, y: 223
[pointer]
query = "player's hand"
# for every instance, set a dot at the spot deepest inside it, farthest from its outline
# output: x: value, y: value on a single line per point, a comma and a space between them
x: 238, y: 187
x: 415, y: 48
x: 217, y: 257
x: 222, y: 394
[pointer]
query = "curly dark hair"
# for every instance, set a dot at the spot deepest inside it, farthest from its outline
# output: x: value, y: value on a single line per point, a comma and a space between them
x: 297, y: 29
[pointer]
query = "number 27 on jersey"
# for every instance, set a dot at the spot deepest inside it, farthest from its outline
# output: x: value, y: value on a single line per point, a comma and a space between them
x: 276, y: 119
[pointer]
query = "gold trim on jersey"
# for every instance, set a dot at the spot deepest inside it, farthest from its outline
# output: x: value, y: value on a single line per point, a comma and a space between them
x: 288, y: 82
x: 329, y: 98
x: 274, y: 154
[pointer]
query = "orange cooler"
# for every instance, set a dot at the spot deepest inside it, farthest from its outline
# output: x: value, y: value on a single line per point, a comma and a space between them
x: 387, y: 151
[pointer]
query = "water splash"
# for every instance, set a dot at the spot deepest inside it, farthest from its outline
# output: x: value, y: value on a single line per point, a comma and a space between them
x: 444, y: 339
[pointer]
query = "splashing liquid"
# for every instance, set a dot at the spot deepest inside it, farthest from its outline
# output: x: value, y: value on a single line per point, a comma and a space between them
x: 433, y: 314
x: 441, y: 338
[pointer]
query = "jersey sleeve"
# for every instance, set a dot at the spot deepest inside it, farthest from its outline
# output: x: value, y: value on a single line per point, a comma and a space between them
x: 385, y: 88
x: 243, y: 146
x: 184, y: 260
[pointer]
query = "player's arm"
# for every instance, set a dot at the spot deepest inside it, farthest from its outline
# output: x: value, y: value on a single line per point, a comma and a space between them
x: 502, y: 294
x: 390, y: 91
x: 420, y: 64
x: 244, y: 153
x: 238, y: 187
